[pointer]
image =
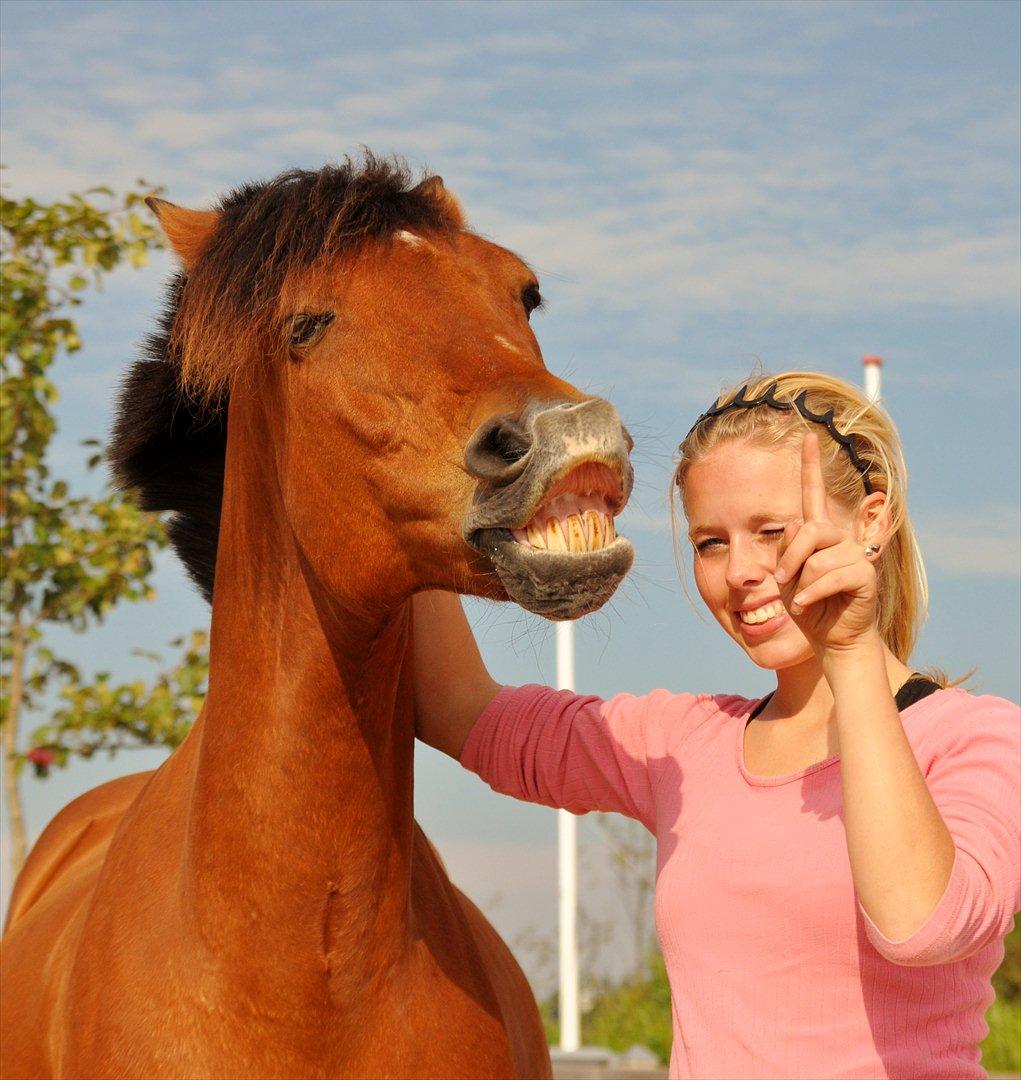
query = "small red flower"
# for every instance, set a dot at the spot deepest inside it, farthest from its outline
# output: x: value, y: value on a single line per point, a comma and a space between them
x: 39, y: 755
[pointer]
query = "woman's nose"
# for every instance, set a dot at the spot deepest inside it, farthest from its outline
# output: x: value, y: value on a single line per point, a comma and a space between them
x: 746, y: 566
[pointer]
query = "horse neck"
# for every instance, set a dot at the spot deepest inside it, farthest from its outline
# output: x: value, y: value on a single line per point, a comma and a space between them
x: 302, y: 792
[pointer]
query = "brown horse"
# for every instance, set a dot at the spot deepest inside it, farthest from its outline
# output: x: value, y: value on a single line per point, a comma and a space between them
x: 345, y: 405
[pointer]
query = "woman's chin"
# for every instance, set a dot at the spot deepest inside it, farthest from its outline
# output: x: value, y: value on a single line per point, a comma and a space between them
x: 776, y: 659
x: 785, y: 647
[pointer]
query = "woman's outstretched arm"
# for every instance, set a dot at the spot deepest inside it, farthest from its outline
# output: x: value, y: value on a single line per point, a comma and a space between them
x: 537, y: 744
x: 452, y: 684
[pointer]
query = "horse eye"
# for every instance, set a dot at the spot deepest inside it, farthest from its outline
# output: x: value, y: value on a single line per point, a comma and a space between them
x: 531, y: 298
x: 305, y: 327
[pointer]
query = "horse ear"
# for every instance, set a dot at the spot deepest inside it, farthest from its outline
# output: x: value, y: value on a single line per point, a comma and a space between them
x: 433, y: 189
x: 189, y: 231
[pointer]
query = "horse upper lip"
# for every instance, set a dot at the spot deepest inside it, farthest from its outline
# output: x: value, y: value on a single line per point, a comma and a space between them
x: 597, y: 477
x: 608, y: 478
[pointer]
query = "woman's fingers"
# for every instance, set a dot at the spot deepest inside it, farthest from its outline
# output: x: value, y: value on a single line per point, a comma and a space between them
x: 844, y: 579
x: 813, y: 487
x: 808, y: 536
x: 824, y: 560
x: 816, y: 532
x: 790, y: 531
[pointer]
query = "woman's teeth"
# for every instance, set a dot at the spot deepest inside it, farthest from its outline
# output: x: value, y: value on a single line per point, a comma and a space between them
x: 762, y: 614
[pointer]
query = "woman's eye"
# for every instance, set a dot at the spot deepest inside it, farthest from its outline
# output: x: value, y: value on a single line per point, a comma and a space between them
x: 708, y: 544
x: 531, y: 298
x: 772, y: 534
x: 305, y: 327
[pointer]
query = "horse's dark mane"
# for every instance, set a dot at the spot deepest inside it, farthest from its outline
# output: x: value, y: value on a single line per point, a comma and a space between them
x: 170, y: 430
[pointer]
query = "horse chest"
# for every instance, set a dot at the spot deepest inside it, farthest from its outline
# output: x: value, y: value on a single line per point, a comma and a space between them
x: 420, y: 1022
x: 421, y: 1006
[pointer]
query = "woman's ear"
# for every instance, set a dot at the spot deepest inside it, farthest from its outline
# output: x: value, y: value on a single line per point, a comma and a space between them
x: 873, y: 519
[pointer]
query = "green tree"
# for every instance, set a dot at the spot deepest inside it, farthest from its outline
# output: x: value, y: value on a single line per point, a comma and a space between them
x: 635, y: 1011
x: 68, y: 560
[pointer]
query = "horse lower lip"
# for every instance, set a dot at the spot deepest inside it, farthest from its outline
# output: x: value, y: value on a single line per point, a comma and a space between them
x: 558, y: 585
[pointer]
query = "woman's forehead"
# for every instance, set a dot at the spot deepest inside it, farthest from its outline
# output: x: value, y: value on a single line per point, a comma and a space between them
x: 744, y: 479
x: 749, y: 461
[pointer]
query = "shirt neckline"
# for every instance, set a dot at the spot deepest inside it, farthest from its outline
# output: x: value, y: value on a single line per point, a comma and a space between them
x: 755, y: 779
x: 787, y: 778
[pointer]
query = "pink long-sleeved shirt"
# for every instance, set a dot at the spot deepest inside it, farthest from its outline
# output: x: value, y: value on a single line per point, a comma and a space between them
x: 775, y: 969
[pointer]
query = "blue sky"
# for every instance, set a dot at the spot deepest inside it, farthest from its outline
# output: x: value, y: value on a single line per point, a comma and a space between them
x: 699, y: 185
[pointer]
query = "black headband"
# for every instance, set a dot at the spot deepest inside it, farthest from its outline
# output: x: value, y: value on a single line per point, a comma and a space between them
x: 739, y: 401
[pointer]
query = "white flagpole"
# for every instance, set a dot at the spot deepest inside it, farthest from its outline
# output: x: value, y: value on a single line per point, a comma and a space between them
x: 567, y: 838
x: 873, y: 366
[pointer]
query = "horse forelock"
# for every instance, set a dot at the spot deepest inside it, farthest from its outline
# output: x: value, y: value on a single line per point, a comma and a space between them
x: 226, y: 319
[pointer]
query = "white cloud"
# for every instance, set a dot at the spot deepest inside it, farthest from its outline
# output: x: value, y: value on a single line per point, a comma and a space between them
x: 655, y: 213
x: 984, y: 542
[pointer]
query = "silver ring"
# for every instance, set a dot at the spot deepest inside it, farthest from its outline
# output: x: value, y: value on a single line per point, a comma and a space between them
x: 871, y: 550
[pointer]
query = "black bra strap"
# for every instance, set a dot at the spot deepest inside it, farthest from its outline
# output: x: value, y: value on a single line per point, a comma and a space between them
x: 758, y: 708
x: 917, y: 687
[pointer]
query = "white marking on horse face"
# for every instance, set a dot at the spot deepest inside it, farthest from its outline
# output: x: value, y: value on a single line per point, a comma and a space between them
x: 586, y: 445
x: 411, y: 238
x: 501, y: 340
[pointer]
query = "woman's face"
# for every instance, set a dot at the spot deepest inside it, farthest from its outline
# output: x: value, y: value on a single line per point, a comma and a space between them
x: 738, y: 498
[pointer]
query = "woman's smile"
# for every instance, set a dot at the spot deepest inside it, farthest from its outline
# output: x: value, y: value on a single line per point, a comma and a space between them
x: 762, y: 619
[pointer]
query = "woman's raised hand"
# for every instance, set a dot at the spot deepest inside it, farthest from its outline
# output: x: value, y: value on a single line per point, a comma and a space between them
x: 826, y: 580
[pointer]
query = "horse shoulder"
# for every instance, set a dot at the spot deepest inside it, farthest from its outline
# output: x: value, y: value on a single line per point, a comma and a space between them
x: 514, y: 997
x: 517, y: 1002
x: 85, y: 824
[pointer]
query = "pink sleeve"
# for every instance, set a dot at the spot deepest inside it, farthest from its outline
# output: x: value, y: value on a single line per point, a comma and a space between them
x: 565, y: 750
x: 975, y: 781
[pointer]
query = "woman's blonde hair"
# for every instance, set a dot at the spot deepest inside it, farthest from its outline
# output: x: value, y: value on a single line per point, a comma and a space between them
x: 902, y: 586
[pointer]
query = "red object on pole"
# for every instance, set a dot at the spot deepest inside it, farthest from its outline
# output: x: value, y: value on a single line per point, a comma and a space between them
x: 877, y: 360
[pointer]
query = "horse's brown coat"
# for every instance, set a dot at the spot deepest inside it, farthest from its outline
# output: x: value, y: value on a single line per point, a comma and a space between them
x: 264, y: 903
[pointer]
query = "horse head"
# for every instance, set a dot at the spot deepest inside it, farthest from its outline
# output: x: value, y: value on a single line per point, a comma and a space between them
x: 379, y: 355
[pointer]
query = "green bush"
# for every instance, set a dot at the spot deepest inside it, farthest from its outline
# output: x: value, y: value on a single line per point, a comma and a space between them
x: 637, y: 1011
x: 1001, y: 1049
x: 1007, y: 980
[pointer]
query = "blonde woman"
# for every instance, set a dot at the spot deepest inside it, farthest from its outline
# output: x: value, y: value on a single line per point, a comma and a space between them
x: 838, y: 862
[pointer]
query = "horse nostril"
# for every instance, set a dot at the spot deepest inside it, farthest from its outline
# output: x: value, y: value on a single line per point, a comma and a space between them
x: 495, y: 449
x: 509, y: 445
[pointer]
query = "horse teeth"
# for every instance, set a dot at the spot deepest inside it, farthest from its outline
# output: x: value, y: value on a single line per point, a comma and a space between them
x: 555, y: 539
x: 584, y: 530
x: 575, y: 533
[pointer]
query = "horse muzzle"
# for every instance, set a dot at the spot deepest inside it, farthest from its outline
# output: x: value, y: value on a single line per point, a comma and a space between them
x: 551, y: 483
